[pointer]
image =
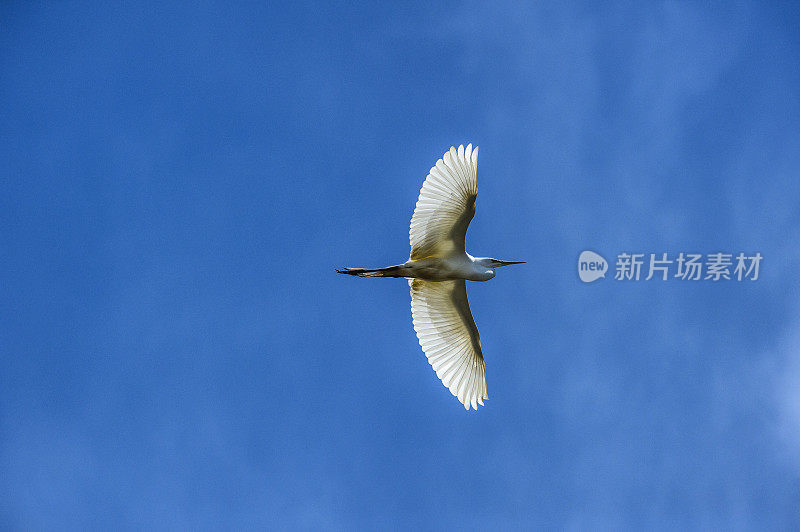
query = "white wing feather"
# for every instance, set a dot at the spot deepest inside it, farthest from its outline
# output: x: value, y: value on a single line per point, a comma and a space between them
x: 449, y: 338
x: 446, y: 205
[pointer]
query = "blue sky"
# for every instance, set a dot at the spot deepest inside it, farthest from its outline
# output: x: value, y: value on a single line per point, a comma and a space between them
x: 179, y: 183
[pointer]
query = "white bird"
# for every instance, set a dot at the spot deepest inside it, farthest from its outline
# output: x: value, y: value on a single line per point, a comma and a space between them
x: 437, y: 270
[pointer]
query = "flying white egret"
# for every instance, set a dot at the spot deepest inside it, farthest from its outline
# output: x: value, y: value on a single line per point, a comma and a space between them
x: 437, y: 270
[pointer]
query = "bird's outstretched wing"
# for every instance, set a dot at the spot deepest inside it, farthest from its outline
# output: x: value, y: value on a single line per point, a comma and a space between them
x: 449, y: 337
x: 446, y: 205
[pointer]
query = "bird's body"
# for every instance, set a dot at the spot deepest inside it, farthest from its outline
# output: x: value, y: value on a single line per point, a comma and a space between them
x: 437, y: 270
x: 456, y: 266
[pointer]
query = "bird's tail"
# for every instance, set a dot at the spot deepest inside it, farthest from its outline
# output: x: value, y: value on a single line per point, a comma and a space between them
x: 391, y: 271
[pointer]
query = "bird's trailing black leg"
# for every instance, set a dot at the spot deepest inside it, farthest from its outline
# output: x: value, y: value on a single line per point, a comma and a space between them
x: 391, y: 271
